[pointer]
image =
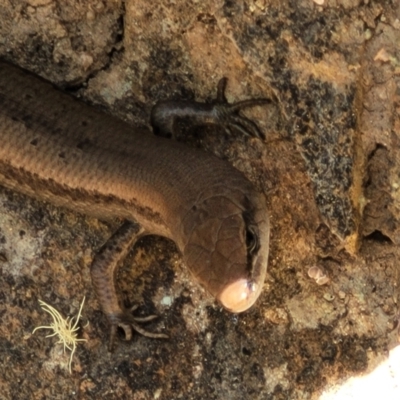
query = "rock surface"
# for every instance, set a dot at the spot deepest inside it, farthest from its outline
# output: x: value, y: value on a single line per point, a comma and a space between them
x: 329, y: 168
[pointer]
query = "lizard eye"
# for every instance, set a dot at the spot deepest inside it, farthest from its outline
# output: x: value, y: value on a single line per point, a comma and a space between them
x: 251, y: 240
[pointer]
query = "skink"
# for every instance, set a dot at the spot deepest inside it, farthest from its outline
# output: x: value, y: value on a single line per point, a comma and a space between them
x: 60, y: 150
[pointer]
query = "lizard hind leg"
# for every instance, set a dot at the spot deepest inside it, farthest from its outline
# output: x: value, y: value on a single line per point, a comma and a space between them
x: 103, y: 277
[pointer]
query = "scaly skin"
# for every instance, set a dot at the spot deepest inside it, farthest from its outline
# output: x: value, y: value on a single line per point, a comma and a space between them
x: 57, y: 149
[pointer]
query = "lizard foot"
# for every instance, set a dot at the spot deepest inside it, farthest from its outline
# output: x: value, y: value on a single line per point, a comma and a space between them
x: 227, y: 114
x: 130, y: 323
x: 165, y: 113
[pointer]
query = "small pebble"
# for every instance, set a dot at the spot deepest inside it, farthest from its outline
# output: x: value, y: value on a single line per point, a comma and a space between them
x: 318, y: 275
x: 329, y: 297
x: 167, y: 301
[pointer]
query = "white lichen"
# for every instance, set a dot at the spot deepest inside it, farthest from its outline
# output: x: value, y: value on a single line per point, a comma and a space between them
x: 64, y: 328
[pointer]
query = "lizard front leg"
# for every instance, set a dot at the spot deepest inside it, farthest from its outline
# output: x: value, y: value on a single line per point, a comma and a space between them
x: 103, y: 270
x: 165, y: 113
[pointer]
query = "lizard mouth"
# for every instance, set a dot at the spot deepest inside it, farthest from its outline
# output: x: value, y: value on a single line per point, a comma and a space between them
x: 240, y: 295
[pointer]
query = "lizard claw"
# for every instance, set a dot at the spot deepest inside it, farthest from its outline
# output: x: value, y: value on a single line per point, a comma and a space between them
x: 227, y: 114
x: 130, y: 323
x: 220, y: 112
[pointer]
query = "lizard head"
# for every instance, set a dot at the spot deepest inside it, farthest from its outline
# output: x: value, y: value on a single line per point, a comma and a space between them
x: 227, y: 242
